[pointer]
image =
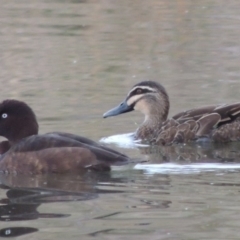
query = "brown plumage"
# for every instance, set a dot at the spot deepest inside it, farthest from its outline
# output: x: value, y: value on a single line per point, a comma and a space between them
x: 27, y: 152
x: 218, y: 123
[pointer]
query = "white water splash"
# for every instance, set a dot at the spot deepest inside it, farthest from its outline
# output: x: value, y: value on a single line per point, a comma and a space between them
x: 122, y: 140
x: 187, y: 168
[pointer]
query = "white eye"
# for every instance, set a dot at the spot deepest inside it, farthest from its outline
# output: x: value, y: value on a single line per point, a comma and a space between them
x: 4, y: 115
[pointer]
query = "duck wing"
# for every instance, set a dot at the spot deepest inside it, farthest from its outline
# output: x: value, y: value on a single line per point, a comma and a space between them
x: 227, y: 113
x: 84, y: 140
x: 60, y: 140
x: 219, y: 122
x: 194, y: 114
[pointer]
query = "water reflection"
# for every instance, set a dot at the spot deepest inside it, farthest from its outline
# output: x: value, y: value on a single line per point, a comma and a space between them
x: 25, y: 194
x: 16, y: 231
x: 144, y: 201
x: 194, y: 153
x: 52, y: 188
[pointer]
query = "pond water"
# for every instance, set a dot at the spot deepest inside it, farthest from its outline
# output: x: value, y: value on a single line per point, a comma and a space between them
x: 73, y: 60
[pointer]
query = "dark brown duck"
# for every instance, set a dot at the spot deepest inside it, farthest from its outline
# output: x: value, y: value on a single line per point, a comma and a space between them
x: 27, y: 152
x: 217, y: 123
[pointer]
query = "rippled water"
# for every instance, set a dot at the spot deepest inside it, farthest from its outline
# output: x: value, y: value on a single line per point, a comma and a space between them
x: 74, y: 60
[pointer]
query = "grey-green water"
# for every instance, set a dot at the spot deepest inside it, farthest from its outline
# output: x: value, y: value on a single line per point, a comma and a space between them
x: 74, y: 60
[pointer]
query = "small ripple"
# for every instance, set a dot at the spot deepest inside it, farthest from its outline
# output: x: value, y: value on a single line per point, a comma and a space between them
x: 186, y: 169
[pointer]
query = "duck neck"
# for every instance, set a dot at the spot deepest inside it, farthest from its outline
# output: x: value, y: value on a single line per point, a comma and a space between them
x: 4, y: 146
x: 156, y: 111
x: 150, y: 127
x: 15, y: 136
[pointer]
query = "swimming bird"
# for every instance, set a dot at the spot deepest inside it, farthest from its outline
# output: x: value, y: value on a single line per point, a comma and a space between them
x: 27, y: 152
x: 215, y: 123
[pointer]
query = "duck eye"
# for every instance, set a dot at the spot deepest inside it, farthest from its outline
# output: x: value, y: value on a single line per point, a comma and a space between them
x: 4, y: 115
x: 138, y: 91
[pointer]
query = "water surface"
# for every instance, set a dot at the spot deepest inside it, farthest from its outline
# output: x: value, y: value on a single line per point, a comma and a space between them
x: 74, y: 60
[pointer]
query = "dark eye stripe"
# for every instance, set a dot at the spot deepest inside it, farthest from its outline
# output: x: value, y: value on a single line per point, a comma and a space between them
x: 139, y: 91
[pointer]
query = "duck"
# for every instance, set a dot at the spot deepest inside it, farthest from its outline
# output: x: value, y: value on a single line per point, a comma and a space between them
x: 213, y: 123
x: 26, y: 152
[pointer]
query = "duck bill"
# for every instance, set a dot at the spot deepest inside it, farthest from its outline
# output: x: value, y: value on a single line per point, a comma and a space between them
x: 122, y: 108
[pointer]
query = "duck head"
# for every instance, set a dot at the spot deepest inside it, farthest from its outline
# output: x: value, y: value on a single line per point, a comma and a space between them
x: 148, y: 97
x: 17, y: 120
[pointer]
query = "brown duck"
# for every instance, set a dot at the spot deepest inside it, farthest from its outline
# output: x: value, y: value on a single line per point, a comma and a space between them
x: 27, y: 152
x: 217, y: 123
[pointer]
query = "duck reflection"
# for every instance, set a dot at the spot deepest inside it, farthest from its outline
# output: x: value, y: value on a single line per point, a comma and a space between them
x: 194, y: 153
x: 16, y: 231
x: 26, y: 193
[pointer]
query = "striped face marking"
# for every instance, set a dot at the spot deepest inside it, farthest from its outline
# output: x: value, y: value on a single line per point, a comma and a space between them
x: 134, y: 99
x: 137, y: 93
x: 143, y: 89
